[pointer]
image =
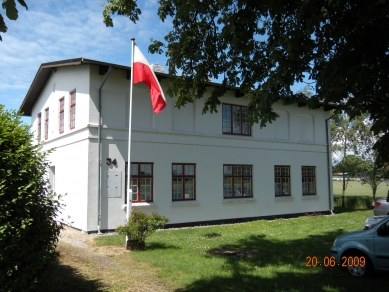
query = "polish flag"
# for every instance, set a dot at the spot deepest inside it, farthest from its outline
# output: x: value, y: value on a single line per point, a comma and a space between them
x: 143, y: 73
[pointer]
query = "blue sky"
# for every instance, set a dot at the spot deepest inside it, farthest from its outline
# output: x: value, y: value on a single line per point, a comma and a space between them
x: 63, y: 29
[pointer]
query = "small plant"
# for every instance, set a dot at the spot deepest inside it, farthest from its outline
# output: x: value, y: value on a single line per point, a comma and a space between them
x: 140, y: 226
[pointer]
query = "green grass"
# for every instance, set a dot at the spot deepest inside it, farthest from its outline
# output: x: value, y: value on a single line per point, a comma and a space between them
x: 355, y: 188
x: 283, y: 247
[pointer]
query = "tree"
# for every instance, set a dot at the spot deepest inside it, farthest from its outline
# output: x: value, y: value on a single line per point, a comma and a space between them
x: 11, y: 11
x: 373, y: 175
x: 265, y: 46
x: 28, y: 231
x: 348, y: 136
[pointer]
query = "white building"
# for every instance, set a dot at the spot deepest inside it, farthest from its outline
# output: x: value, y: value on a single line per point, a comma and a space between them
x: 190, y: 167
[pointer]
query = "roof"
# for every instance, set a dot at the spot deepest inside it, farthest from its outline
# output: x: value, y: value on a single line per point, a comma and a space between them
x: 44, y: 73
x: 45, y: 70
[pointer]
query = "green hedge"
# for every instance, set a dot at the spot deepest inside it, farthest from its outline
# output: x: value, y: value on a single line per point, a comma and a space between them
x: 354, y: 202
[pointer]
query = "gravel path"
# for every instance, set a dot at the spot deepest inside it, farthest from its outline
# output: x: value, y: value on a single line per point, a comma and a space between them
x: 78, y: 238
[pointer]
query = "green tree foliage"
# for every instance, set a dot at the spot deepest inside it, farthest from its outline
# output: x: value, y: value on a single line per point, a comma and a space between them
x: 353, y: 165
x: 28, y: 232
x: 373, y: 175
x: 266, y: 46
x: 10, y: 11
x: 348, y: 136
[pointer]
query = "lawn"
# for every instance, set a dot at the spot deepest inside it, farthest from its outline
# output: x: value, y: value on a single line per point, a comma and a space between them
x: 355, y: 188
x: 278, y: 261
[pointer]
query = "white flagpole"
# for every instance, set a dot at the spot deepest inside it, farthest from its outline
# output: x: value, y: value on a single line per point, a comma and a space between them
x: 129, y: 190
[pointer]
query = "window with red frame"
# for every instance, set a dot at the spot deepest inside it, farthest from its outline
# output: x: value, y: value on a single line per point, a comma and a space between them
x: 282, y: 180
x: 141, y: 182
x: 61, y: 115
x: 183, y: 181
x: 236, y: 120
x: 72, y: 109
x: 46, y: 123
x: 308, y: 174
x: 39, y: 127
x: 237, y: 181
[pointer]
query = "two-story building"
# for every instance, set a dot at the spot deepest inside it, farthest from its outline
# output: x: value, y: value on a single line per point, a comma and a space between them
x: 191, y: 167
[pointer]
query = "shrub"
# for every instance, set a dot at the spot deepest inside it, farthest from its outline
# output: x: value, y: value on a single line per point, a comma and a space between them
x: 28, y: 231
x: 354, y: 202
x: 141, y: 225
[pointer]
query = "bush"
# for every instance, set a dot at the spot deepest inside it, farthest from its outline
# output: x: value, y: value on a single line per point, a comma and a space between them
x: 354, y: 202
x: 28, y: 231
x: 141, y: 225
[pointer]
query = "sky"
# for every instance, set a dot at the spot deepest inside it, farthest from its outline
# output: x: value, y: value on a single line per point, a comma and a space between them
x: 63, y: 29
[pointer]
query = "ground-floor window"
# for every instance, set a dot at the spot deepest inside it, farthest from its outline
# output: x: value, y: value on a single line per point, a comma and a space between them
x: 183, y: 181
x: 141, y: 182
x: 282, y: 180
x: 237, y: 181
x: 308, y: 174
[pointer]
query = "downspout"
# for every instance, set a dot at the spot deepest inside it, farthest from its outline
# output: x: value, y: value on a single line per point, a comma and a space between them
x: 100, y: 155
x: 330, y: 195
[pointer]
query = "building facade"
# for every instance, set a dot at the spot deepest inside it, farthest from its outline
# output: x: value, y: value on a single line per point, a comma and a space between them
x: 191, y: 167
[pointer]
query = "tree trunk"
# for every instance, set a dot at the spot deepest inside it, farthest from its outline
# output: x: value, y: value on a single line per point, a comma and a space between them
x: 343, y: 189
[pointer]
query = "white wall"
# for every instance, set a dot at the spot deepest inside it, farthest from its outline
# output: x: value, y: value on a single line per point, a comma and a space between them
x: 297, y: 138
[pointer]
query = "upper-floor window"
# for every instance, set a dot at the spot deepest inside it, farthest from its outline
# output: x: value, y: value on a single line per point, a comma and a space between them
x: 61, y: 117
x: 183, y: 181
x: 308, y: 174
x: 72, y: 109
x: 282, y: 180
x: 39, y: 127
x: 237, y: 181
x: 236, y: 120
x: 46, y: 123
x: 141, y: 182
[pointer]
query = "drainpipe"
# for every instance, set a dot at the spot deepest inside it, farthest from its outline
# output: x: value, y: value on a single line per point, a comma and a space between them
x: 329, y: 166
x: 100, y: 155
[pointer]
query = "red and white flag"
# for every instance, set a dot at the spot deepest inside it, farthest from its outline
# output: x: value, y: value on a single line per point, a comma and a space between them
x: 143, y: 73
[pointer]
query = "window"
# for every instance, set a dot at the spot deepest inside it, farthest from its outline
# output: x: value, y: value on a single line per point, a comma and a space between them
x: 72, y: 109
x: 183, y: 179
x: 236, y: 120
x: 237, y: 181
x: 282, y: 180
x: 308, y: 174
x: 39, y: 127
x: 46, y: 123
x: 141, y: 182
x: 61, y: 114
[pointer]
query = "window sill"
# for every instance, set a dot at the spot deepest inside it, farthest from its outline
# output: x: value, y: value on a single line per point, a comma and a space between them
x: 184, y: 203
x: 239, y: 200
x: 283, y: 198
x: 310, y: 197
x: 145, y: 205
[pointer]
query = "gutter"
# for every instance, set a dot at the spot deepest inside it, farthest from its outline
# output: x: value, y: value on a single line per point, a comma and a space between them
x: 100, y: 154
x: 329, y: 169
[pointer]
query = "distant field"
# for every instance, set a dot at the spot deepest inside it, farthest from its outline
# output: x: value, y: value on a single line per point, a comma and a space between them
x: 355, y: 188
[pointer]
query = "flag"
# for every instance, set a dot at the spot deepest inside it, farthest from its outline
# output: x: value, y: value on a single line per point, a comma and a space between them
x: 143, y: 73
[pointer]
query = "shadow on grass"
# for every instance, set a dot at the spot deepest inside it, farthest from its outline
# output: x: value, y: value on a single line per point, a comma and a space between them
x: 66, y: 278
x: 340, y: 210
x: 158, y: 245
x: 212, y: 235
x: 286, y: 281
x: 282, y: 266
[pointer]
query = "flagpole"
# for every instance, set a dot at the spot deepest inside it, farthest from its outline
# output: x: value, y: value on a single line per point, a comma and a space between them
x: 129, y: 190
